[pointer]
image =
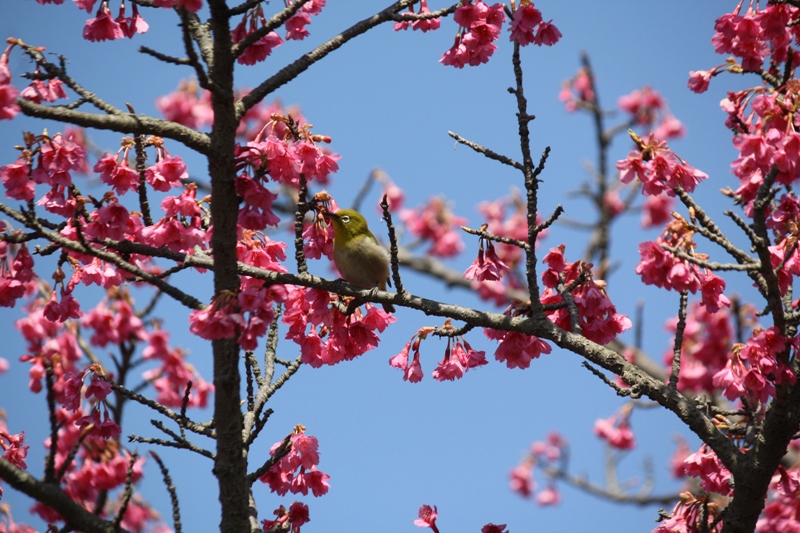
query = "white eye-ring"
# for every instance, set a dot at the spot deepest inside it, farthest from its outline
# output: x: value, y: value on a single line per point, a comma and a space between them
x: 345, y: 219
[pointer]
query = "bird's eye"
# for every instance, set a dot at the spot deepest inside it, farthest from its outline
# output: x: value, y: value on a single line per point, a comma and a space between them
x: 345, y: 219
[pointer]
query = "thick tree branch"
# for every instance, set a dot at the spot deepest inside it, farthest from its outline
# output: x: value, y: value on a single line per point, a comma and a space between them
x: 50, y: 495
x: 125, y: 123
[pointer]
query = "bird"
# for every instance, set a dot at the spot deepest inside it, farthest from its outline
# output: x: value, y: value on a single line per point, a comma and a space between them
x: 359, y: 258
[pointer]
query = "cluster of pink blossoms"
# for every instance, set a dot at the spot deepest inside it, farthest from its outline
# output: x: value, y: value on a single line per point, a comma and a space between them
x: 661, y: 267
x: 327, y: 336
x: 487, y: 266
x: 14, y: 448
x: 284, y: 158
x: 691, y: 513
x: 766, y: 138
x: 751, y: 37
x: 577, y: 92
x: 528, y: 26
x: 105, y: 28
x: 101, y: 464
x: 707, y: 338
x: 756, y: 367
x: 504, y: 217
x: 658, y: 168
x: 756, y: 34
x: 297, y: 472
x: 515, y: 349
x: 318, y: 235
x: 781, y: 511
x: 248, y: 314
x: 434, y: 222
x: 783, y: 221
x: 17, y: 278
x: 648, y: 110
x: 173, y: 374
x: 616, y: 430
x: 98, y: 388
x: 8, y: 93
x: 286, y: 520
x: 254, y: 20
x: 547, y: 454
x: 187, y: 105
x: 762, y: 118
x: 47, y: 161
x: 480, y: 26
x: 705, y: 464
x: 599, y: 320
x: 422, y: 25
x: 459, y: 357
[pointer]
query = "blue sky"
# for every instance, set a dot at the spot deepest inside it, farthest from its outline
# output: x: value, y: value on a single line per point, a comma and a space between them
x: 390, y: 446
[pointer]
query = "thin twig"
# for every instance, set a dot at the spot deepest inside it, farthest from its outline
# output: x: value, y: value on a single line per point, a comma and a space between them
x: 173, y: 493
x: 486, y: 151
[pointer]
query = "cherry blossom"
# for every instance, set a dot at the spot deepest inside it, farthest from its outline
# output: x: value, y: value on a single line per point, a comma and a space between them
x: 480, y: 26
x: 427, y: 518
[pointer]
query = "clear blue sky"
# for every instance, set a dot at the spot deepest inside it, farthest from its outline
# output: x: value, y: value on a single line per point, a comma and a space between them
x: 390, y: 446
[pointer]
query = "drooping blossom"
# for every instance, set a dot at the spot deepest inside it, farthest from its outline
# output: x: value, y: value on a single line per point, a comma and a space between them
x: 427, y: 518
x: 480, y: 26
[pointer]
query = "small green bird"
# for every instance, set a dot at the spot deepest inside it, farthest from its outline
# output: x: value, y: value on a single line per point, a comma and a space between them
x: 359, y: 258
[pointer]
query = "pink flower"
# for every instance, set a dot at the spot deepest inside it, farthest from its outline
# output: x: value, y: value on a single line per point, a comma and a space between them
x: 699, y: 80
x: 437, y: 224
x: 525, y: 20
x: 711, y: 289
x: 448, y: 370
x: 8, y: 107
x: 487, y: 266
x: 426, y: 24
x: 102, y: 27
x: 522, y: 480
x: 47, y: 90
x: 298, y: 514
x: 259, y: 50
x: 494, y: 528
x: 656, y: 210
x: 548, y: 496
x: 17, y: 181
x: 713, y: 475
x: 60, y: 312
x: 618, y: 435
x: 296, y: 26
x: 185, y: 107
x: 401, y: 25
x: 474, y: 44
x: 730, y: 380
x: 211, y: 323
x: 117, y: 174
x: 517, y: 349
x: 547, y: 34
x: 14, y: 449
x: 167, y: 173
x: 256, y: 212
x: 413, y: 372
x: 669, y: 127
x: 427, y: 517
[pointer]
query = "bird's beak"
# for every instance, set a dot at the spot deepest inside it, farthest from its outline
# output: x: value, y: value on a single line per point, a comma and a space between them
x: 329, y: 214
